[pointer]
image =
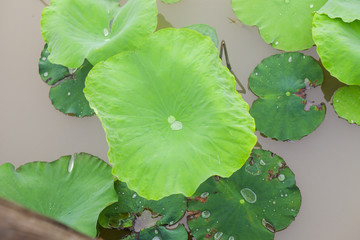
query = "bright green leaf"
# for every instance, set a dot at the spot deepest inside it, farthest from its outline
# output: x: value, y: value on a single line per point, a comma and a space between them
x: 206, y: 30
x: 280, y: 82
x: 347, y: 103
x: 171, y: 114
x: 93, y: 29
x: 338, y: 45
x: 121, y: 214
x: 286, y: 24
x: 256, y: 201
x: 72, y: 190
x: 347, y: 10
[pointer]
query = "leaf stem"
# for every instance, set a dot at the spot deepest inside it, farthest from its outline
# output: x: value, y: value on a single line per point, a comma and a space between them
x: 43, y: 2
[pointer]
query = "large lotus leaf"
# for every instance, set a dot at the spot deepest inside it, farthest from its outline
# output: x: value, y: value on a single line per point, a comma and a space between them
x: 72, y: 190
x: 49, y: 72
x: 286, y: 24
x: 280, y: 82
x: 171, y: 114
x: 161, y: 233
x: 256, y: 201
x: 347, y: 10
x: 93, y: 29
x: 347, y: 103
x: 206, y: 30
x: 338, y: 45
x: 121, y: 214
x: 68, y: 97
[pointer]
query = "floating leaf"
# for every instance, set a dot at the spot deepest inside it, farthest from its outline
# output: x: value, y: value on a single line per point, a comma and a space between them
x: 206, y: 30
x: 93, y: 29
x: 72, y: 190
x: 347, y: 10
x: 170, y: 107
x: 280, y: 82
x: 347, y: 103
x: 286, y: 24
x: 121, y: 214
x: 161, y: 233
x: 256, y: 201
x: 338, y: 45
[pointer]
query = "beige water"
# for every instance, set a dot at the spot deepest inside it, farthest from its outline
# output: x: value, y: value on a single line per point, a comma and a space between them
x: 326, y: 163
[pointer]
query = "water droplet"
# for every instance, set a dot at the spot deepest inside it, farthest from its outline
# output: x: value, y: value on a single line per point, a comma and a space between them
x: 248, y: 195
x: 218, y: 235
x: 156, y: 238
x: 208, y: 229
x: 276, y: 43
x: 44, y: 59
x: 205, y: 214
x: 351, y: 121
x: 46, y: 74
x: 290, y: 59
x: 274, y: 202
x: 256, y: 74
x: 134, y: 195
x: 231, y: 238
x: 282, y: 195
x: 177, y: 125
x: 311, y: 5
x: 262, y: 162
x: 106, y: 32
x: 204, y: 195
x: 171, y: 119
x: 156, y: 231
x: 71, y: 163
x: 69, y: 93
x: 281, y: 177
x: 287, y: 1
x: 171, y: 223
x: 286, y: 195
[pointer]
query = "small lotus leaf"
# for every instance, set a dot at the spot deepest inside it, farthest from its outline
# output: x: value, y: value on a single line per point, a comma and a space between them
x: 347, y: 10
x: 338, y: 45
x: 93, y: 29
x: 347, y: 103
x: 256, y: 201
x: 286, y: 24
x: 49, y: 72
x: 206, y: 30
x: 171, y: 114
x: 161, y: 233
x: 68, y: 97
x: 72, y: 190
x: 280, y: 82
x: 121, y: 214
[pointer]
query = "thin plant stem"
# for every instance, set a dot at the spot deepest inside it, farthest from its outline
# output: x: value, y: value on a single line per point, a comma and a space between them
x: 43, y: 2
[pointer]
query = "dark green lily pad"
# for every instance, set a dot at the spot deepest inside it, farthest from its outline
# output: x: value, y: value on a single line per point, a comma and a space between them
x: 93, y: 29
x: 254, y: 203
x: 285, y: 24
x: 206, y: 30
x: 338, y: 45
x: 72, y: 190
x: 122, y: 214
x: 161, y: 233
x: 347, y: 103
x: 170, y: 110
x: 280, y: 82
x: 347, y: 10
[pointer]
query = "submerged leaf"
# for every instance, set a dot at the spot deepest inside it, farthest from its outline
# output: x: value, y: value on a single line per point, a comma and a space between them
x: 72, y: 190
x: 93, y: 29
x: 286, y: 24
x: 254, y: 203
x: 171, y: 114
x: 161, y: 233
x: 347, y: 103
x: 280, y: 82
x: 347, y: 10
x: 338, y: 45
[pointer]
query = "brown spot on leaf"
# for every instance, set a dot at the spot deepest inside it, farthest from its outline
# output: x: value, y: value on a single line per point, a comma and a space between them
x: 211, y: 233
x: 301, y: 93
x: 193, y: 214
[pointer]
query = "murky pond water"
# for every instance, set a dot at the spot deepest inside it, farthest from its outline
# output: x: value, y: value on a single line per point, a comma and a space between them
x: 326, y: 162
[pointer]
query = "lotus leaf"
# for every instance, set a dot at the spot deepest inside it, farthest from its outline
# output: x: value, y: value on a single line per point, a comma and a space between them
x: 280, y: 82
x: 121, y: 214
x: 206, y: 30
x: 161, y: 233
x: 347, y: 103
x: 255, y: 202
x: 286, y: 24
x: 338, y: 45
x: 93, y: 29
x: 72, y: 190
x: 347, y: 10
x: 171, y: 114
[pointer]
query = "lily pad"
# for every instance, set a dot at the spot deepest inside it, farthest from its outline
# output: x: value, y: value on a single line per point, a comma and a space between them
x: 72, y: 190
x: 171, y: 114
x: 280, y: 82
x: 96, y: 30
x: 347, y: 10
x: 121, y: 214
x: 206, y: 30
x: 347, y: 103
x: 338, y: 45
x: 161, y: 233
x: 286, y: 24
x: 254, y: 203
